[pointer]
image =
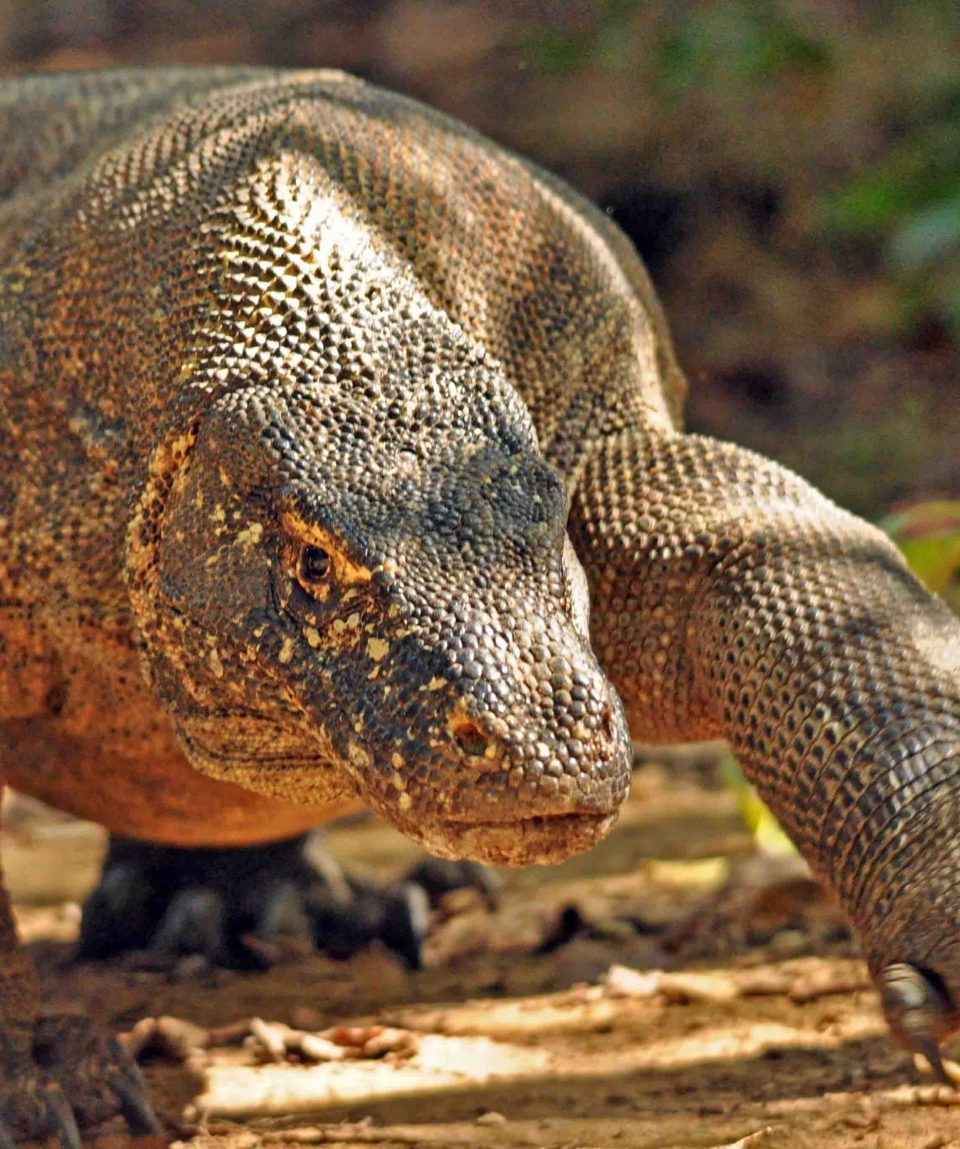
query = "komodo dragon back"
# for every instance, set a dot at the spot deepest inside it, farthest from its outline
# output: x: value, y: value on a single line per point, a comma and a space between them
x: 305, y: 384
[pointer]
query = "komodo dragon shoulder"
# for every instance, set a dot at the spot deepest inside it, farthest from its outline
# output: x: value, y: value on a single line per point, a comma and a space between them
x: 347, y: 466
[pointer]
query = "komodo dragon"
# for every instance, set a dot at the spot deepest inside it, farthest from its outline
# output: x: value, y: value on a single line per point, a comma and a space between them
x: 312, y: 401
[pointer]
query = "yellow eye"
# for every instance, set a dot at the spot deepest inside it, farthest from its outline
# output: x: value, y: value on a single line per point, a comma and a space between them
x: 314, y: 567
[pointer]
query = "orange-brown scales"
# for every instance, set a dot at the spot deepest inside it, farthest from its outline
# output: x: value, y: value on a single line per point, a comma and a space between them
x: 312, y: 401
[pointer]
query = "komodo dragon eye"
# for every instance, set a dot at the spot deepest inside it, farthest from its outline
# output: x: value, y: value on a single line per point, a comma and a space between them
x: 314, y: 567
x: 320, y: 562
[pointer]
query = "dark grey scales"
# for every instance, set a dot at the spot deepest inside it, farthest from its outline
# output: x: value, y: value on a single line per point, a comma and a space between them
x: 314, y: 403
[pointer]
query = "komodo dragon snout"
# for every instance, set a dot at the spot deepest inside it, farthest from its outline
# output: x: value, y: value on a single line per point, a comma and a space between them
x: 407, y: 625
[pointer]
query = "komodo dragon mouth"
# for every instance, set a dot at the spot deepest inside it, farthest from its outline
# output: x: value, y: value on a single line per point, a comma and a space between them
x: 525, y: 838
x: 542, y: 839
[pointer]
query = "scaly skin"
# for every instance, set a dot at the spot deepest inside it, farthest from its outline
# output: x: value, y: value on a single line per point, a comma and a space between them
x: 302, y: 380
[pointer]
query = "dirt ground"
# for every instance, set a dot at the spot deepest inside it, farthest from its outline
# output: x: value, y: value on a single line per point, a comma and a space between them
x: 670, y: 989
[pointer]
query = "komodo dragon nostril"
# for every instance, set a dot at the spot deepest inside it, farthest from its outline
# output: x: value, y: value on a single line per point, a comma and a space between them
x: 606, y: 724
x: 471, y: 738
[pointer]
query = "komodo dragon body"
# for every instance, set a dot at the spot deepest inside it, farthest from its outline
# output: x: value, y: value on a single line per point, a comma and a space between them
x: 312, y: 399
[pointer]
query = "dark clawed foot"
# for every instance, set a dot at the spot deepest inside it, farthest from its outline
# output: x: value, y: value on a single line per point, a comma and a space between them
x: 918, y: 1012
x: 73, y: 1080
x: 397, y: 915
x: 36, y: 1112
x: 439, y: 876
x: 238, y: 906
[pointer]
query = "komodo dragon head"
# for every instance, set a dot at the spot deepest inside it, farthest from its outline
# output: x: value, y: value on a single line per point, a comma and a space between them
x: 357, y: 581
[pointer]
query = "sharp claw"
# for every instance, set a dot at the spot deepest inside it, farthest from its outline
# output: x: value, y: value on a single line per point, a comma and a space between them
x: 488, y: 883
x: 6, y: 1137
x: 127, y: 1083
x: 438, y: 876
x: 917, y: 1011
x: 926, y: 1045
x: 64, y: 1125
x: 283, y: 915
x: 405, y: 923
x: 136, y: 1109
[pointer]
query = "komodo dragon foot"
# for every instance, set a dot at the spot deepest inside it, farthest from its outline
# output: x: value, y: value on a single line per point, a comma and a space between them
x: 918, y: 1010
x: 232, y: 904
x: 71, y: 1079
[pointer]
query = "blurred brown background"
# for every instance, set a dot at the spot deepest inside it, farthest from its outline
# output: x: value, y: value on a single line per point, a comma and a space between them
x: 790, y: 171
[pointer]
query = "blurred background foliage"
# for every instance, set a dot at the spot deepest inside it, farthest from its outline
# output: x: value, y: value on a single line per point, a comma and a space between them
x: 790, y: 170
x: 928, y: 533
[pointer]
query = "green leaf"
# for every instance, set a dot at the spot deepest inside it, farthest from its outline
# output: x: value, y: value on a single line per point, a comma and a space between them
x: 868, y: 205
x: 928, y: 534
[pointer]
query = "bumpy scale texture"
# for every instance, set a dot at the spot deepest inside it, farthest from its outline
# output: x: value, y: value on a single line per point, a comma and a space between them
x: 312, y: 400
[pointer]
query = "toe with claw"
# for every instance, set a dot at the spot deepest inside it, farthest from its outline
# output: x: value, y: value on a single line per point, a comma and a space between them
x: 70, y: 1080
x: 919, y: 1012
x: 439, y: 876
x: 240, y: 907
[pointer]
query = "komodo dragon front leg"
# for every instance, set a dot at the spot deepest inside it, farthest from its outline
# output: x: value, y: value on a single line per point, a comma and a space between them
x: 733, y: 600
x: 90, y: 1080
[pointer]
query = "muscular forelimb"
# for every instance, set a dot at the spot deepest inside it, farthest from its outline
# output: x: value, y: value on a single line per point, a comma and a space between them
x: 732, y: 600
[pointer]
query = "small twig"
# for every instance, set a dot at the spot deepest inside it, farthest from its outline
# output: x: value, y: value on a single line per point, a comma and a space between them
x: 751, y: 1139
x: 621, y: 981
x: 270, y: 1039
